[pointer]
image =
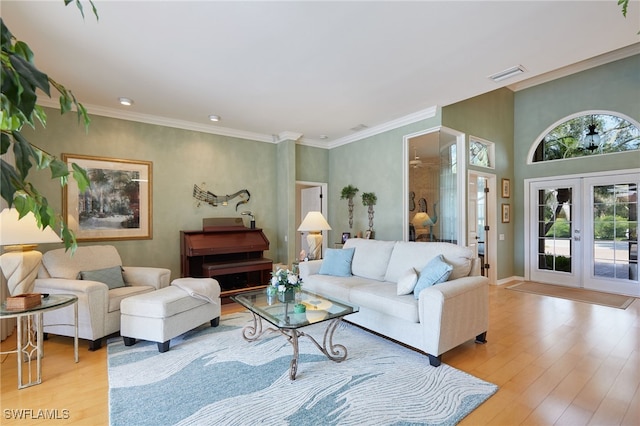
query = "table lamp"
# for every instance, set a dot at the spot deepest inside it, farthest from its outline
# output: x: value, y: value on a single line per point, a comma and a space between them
x: 422, y: 220
x: 314, y: 223
x: 19, y: 237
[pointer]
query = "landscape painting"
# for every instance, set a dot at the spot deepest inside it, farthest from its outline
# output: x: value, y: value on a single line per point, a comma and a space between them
x: 116, y: 206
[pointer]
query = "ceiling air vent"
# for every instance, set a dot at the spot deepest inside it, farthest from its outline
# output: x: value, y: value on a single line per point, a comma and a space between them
x: 359, y: 127
x: 508, y: 73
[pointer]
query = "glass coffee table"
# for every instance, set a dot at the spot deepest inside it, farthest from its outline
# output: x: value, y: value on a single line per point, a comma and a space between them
x: 286, y: 319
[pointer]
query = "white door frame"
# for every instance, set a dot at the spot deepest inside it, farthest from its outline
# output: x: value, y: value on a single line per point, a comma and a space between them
x: 491, y: 254
x: 461, y: 177
x: 324, y: 209
x: 528, y: 215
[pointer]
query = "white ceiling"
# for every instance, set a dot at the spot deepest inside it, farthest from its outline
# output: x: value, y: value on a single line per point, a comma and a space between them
x: 284, y: 69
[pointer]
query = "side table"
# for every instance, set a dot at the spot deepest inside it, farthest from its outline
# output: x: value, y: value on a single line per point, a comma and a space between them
x: 33, y: 342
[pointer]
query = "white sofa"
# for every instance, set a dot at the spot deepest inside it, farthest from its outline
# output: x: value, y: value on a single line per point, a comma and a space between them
x: 443, y: 316
x: 98, y: 306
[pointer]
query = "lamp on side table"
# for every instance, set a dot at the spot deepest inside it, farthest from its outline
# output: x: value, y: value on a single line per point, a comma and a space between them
x: 19, y: 237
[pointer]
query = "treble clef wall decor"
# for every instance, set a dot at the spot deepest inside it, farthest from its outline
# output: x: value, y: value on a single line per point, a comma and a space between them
x: 213, y: 199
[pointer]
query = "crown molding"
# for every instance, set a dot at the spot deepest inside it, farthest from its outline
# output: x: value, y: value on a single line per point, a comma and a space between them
x: 288, y: 136
x: 384, y: 127
x: 615, y: 55
x: 167, y: 122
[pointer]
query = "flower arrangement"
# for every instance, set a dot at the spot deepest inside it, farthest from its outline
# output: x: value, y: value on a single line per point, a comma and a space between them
x: 283, y: 280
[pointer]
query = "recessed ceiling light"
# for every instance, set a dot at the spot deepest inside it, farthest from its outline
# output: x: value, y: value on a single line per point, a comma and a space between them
x: 214, y: 117
x: 324, y: 137
x: 508, y: 73
x: 125, y: 101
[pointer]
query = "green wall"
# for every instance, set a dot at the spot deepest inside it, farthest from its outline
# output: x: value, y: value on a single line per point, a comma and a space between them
x: 373, y: 164
x: 612, y: 87
x: 312, y: 164
x: 490, y: 117
x: 180, y: 159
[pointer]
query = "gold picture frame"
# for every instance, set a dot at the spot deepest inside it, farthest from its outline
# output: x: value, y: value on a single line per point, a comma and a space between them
x: 506, y: 188
x: 506, y: 213
x: 118, y: 205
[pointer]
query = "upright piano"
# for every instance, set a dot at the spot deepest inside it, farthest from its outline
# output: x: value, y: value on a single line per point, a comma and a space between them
x: 227, y: 251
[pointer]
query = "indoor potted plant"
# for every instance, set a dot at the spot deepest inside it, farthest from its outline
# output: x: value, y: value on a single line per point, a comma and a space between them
x: 349, y: 192
x: 369, y: 199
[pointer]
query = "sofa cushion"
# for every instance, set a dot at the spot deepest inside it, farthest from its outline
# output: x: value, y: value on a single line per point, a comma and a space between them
x: 382, y: 297
x: 336, y: 287
x: 407, y: 282
x: 370, y: 258
x: 407, y: 254
x: 337, y: 262
x: 112, y: 277
x: 61, y: 264
x: 435, y: 272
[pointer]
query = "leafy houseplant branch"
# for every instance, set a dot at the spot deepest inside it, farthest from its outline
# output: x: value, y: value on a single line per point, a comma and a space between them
x: 20, y: 81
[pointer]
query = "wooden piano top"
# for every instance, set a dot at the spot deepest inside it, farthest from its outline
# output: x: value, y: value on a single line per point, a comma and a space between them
x: 222, y: 240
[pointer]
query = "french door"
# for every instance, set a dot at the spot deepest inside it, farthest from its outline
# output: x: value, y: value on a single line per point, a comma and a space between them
x: 583, y: 232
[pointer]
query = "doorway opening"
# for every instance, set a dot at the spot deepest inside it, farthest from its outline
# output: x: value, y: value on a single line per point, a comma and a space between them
x: 310, y: 196
x: 582, y: 231
x: 482, y: 221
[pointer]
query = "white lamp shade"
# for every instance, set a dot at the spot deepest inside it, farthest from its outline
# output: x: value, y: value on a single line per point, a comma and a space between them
x: 14, y: 231
x: 314, y: 222
x: 421, y: 220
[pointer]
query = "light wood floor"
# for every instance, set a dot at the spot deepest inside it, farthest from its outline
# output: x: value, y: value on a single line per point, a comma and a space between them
x: 556, y: 362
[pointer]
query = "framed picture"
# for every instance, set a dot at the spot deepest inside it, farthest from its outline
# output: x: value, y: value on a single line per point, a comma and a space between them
x: 367, y: 235
x: 117, y: 206
x: 506, y: 188
x: 506, y: 213
x: 345, y: 236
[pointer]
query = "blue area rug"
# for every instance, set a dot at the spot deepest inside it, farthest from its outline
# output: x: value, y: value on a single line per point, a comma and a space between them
x: 212, y: 376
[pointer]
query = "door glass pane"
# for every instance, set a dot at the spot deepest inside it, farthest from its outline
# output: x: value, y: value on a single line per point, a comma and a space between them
x: 615, y: 231
x: 554, y: 229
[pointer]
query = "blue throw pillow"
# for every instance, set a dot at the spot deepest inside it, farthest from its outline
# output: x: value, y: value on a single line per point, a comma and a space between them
x: 337, y: 262
x: 112, y: 277
x: 435, y: 272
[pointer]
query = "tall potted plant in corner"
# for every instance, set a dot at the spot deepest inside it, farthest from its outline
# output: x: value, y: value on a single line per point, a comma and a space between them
x: 348, y: 192
x: 369, y: 199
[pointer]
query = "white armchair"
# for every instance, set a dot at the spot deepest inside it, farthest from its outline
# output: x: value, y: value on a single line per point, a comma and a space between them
x: 98, y: 305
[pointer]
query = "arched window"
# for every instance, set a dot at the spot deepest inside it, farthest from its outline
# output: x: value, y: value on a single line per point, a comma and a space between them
x: 586, y: 135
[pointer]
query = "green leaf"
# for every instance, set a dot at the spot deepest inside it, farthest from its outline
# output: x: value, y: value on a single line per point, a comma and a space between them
x: 21, y: 48
x: 81, y: 177
x: 8, y: 176
x: 69, y: 238
x: 58, y: 169
x: 5, y: 36
x: 5, y: 143
x: 23, y: 152
x: 30, y: 73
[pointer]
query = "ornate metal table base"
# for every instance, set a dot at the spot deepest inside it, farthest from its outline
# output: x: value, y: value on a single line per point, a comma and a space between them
x: 334, y: 352
x: 29, y: 340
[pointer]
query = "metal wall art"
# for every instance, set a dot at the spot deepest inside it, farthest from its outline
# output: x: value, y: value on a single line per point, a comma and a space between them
x: 213, y: 199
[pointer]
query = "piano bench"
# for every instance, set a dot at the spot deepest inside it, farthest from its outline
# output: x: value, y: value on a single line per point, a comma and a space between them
x: 161, y: 315
x: 237, y: 266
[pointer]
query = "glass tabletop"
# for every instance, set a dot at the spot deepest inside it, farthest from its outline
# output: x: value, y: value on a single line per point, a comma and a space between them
x: 51, y: 301
x: 282, y: 315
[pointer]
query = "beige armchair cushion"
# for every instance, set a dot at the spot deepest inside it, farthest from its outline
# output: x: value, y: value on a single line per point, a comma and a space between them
x: 61, y: 264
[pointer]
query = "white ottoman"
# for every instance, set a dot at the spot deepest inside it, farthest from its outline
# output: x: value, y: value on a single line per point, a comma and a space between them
x: 161, y: 315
